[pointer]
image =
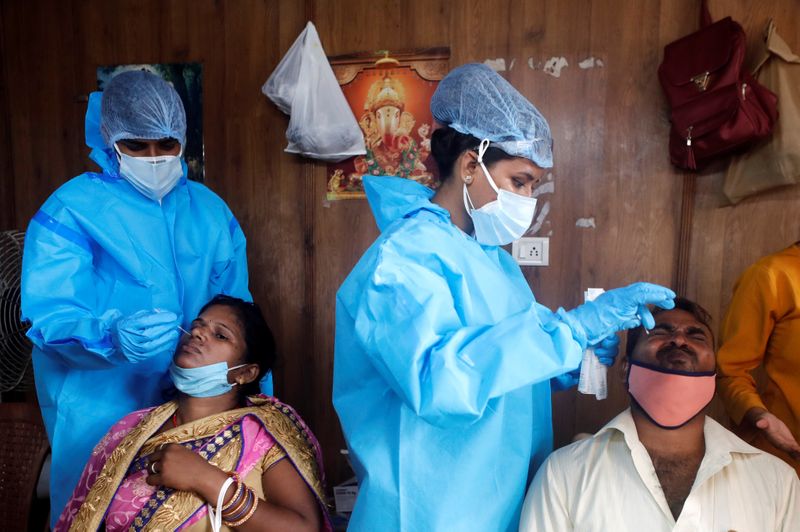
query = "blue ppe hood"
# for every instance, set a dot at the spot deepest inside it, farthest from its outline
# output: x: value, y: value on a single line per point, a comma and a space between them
x: 101, y: 154
x: 391, y: 199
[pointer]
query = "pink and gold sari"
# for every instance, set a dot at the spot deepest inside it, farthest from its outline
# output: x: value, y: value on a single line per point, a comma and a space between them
x: 112, y: 490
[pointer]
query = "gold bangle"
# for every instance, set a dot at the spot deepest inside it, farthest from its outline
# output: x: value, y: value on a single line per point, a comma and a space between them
x: 241, y: 507
x: 237, y: 495
x: 249, y: 514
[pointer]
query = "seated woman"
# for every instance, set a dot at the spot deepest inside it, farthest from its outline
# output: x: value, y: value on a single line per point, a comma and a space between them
x: 212, y: 448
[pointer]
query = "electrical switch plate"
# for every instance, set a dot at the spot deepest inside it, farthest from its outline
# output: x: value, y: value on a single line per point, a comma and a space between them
x: 532, y: 251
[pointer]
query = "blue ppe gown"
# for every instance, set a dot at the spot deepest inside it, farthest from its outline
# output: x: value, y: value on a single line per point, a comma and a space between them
x: 96, y: 251
x: 442, y: 372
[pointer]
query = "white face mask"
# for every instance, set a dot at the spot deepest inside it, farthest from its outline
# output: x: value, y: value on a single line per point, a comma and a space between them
x: 154, y: 177
x: 503, y: 220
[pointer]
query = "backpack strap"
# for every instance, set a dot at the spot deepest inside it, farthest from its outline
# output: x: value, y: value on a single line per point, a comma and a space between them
x: 705, y: 14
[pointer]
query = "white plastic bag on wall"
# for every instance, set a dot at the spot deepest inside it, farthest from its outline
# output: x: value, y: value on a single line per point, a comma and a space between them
x: 321, y: 124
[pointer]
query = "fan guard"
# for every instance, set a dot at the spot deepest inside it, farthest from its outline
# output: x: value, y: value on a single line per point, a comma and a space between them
x: 15, y: 348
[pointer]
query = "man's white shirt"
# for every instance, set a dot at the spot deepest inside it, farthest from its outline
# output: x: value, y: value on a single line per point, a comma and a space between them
x: 608, y: 483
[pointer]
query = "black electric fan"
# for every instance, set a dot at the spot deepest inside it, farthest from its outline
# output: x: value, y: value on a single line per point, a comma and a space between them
x: 16, y: 373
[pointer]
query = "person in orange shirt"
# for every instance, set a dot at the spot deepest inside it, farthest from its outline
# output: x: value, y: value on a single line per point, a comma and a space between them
x: 762, y: 327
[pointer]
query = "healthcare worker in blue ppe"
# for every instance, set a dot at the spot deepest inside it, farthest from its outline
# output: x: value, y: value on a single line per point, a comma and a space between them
x: 113, y: 263
x: 444, y: 361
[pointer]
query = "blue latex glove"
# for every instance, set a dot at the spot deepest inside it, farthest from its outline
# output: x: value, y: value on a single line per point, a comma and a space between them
x: 607, y: 350
x: 565, y: 381
x: 146, y: 333
x: 616, y: 310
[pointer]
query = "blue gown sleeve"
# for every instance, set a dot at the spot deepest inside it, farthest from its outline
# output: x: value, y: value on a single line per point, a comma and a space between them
x: 59, y: 292
x: 445, y: 370
x: 232, y: 278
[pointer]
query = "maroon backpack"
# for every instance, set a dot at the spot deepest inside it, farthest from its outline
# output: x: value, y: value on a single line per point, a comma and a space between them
x: 717, y: 107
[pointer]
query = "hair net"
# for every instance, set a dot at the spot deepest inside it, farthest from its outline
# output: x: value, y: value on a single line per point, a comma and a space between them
x: 475, y: 100
x: 141, y: 105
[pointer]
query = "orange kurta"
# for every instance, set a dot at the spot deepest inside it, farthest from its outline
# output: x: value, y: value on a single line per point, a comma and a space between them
x: 762, y: 327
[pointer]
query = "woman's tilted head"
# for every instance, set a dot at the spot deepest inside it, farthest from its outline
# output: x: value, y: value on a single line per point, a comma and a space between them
x: 233, y: 331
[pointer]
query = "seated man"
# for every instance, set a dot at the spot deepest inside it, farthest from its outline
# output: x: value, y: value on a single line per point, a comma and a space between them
x: 662, y: 464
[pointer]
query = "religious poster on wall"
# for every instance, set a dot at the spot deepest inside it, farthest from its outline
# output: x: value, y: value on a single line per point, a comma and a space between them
x: 187, y: 79
x: 390, y: 94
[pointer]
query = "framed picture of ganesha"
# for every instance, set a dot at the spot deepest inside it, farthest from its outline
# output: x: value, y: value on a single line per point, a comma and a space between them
x: 390, y: 96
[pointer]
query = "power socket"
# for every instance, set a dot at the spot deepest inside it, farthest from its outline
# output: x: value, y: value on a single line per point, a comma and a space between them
x: 531, y: 251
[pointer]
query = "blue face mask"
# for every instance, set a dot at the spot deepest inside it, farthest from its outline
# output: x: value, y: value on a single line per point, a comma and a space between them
x: 205, y: 381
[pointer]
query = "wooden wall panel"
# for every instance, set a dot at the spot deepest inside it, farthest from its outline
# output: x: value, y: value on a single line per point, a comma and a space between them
x: 343, y: 230
x: 614, y: 171
x: 42, y: 105
x: 726, y: 239
x: 7, y: 218
x: 619, y: 176
x: 609, y: 124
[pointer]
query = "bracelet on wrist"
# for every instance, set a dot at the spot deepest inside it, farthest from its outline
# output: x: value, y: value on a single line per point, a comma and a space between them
x: 237, y: 495
x: 216, y: 516
x: 243, y: 520
x: 242, y: 509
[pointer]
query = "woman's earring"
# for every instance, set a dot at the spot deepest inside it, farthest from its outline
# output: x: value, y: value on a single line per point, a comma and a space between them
x: 468, y: 179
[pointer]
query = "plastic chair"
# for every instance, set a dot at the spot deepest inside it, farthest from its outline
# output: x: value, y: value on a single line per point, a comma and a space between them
x: 23, y: 450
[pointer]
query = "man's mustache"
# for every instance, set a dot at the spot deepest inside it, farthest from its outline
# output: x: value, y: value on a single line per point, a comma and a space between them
x: 670, y: 349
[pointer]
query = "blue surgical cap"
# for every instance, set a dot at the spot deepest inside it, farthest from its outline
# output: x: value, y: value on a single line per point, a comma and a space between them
x: 475, y: 100
x: 141, y: 105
